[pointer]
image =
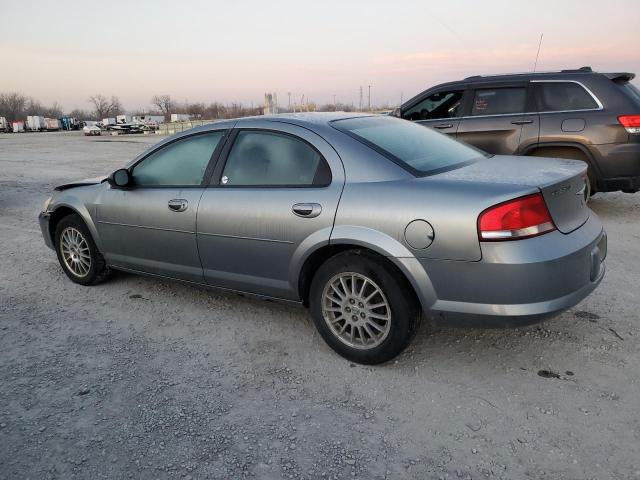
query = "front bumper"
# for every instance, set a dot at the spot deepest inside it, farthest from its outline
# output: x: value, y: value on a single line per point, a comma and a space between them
x: 520, y: 282
x: 43, y: 219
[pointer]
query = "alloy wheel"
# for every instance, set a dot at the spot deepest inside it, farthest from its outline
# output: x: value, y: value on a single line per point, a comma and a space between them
x: 356, y: 310
x: 75, y: 252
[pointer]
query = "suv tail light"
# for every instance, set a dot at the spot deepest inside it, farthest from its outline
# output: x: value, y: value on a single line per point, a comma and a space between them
x: 630, y: 122
x: 516, y: 219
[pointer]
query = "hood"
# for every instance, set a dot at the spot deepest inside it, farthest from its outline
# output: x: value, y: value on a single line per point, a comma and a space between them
x: 81, y: 183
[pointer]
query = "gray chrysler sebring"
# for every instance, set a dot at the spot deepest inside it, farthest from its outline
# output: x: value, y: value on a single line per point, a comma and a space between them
x: 369, y: 221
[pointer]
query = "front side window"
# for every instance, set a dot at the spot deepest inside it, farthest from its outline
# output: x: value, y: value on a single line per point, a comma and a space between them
x: 499, y: 101
x: 438, y: 105
x: 419, y: 149
x: 559, y: 96
x: 272, y: 159
x: 181, y: 163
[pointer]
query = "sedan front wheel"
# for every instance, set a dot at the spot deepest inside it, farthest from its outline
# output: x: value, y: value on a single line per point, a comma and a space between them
x: 77, y: 252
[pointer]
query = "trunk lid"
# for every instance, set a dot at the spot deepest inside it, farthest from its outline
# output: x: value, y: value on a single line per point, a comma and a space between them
x: 563, y: 183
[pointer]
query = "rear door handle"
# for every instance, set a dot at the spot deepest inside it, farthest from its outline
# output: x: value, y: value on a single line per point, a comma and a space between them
x: 443, y: 125
x: 178, y: 205
x: 307, y: 210
x: 521, y: 122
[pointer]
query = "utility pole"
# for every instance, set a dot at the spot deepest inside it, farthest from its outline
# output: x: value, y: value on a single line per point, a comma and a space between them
x: 369, y: 101
x: 360, y: 104
x: 289, y: 106
x: 334, y: 99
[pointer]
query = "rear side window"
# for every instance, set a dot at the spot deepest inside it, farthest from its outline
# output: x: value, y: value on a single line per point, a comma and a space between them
x: 273, y: 159
x: 499, y: 101
x: 417, y: 148
x: 558, y: 96
x: 181, y: 163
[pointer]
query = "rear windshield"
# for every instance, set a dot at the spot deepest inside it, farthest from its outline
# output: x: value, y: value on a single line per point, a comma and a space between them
x: 631, y: 90
x: 418, y: 149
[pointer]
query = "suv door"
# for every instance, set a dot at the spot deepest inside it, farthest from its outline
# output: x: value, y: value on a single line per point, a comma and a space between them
x: 496, y: 117
x: 439, y: 110
x: 151, y: 226
x: 276, y: 186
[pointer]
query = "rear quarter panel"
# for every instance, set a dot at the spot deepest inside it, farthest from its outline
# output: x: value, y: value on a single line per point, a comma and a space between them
x: 451, y: 207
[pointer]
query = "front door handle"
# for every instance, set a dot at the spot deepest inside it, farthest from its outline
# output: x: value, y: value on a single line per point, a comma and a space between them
x: 178, y: 205
x: 443, y: 125
x: 307, y: 210
x: 521, y: 122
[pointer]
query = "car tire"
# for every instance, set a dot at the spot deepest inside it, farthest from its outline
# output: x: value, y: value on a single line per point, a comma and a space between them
x: 364, y: 308
x: 77, y: 252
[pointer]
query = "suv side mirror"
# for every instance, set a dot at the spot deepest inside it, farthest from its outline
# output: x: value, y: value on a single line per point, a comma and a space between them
x: 397, y: 112
x: 121, y: 178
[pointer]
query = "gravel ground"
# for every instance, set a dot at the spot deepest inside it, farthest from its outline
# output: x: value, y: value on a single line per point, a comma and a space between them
x: 141, y: 378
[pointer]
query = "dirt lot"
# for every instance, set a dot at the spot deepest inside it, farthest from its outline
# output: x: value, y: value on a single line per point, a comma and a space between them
x: 141, y: 378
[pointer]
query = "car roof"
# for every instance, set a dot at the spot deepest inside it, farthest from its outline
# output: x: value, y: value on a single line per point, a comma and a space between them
x: 568, y: 74
x: 304, y: 118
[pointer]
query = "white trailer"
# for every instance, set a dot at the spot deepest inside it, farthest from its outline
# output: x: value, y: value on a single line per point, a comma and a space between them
x: 180, y: 117
x: 17, y: 126
x: 35, y: 123
x: 147, y: 119
x: 123, y: 119
x: 52, y: 124
x: 108, y: 121
x: 4, y: 125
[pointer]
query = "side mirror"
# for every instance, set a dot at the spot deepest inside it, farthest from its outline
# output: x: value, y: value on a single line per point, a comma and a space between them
x: 120, y: 178
x: 397, y: 112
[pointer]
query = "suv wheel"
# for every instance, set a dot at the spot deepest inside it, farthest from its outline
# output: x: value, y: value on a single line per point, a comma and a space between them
x: 77, y: 252
x: 362, y: 308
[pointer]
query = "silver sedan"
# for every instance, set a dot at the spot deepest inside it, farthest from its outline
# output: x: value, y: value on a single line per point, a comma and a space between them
x: 370, y: 221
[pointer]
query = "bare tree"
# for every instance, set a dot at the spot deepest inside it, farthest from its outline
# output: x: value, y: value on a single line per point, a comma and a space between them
x: 12, y: 106
x: 83, y: 115
x: 164, y: 104
x: 105, y: 108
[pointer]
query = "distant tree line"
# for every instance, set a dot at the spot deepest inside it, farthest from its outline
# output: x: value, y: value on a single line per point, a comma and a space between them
x: 16, y: 106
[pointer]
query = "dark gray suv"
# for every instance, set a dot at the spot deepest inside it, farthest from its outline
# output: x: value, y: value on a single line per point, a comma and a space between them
x: 577, y: 114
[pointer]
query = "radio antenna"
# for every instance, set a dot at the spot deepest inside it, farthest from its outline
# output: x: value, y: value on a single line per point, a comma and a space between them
x: 535, y: 64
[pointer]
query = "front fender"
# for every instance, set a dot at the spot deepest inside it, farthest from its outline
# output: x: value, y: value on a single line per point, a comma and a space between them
x: 69, y: 199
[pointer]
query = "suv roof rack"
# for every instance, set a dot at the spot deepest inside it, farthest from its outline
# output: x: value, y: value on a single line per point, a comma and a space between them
x: 575, y: 70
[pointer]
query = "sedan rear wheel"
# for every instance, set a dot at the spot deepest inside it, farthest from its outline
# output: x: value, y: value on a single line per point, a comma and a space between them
x: 356, y: 310
x: 363, y: 307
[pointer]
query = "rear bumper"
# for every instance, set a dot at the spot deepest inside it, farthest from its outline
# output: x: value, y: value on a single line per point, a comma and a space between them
x: 626, y: 184
x: 521, y: 282
x: 619, y: 165
x: 43, y: 220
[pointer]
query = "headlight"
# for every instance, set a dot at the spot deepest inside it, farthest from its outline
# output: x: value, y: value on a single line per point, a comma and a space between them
x: 45, y: 207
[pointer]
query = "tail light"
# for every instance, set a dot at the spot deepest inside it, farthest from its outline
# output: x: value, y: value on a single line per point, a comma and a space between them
x: 516, y: 219
x: 630, y: 122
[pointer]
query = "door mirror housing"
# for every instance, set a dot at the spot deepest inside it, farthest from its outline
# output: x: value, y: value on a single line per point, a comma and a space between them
x: 121, y: 178
x: 397, y: 112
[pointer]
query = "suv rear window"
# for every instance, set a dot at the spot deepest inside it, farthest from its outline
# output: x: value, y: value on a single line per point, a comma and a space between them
x: 416, y: 148
x: 631, y: 90
x: 499, y: 101
x: 558, y: 96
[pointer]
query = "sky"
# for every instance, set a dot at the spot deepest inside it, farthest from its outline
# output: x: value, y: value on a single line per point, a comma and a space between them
x: 67, y: 50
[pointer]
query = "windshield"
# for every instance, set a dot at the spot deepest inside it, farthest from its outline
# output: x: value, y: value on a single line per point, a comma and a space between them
x: 418, y: 149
